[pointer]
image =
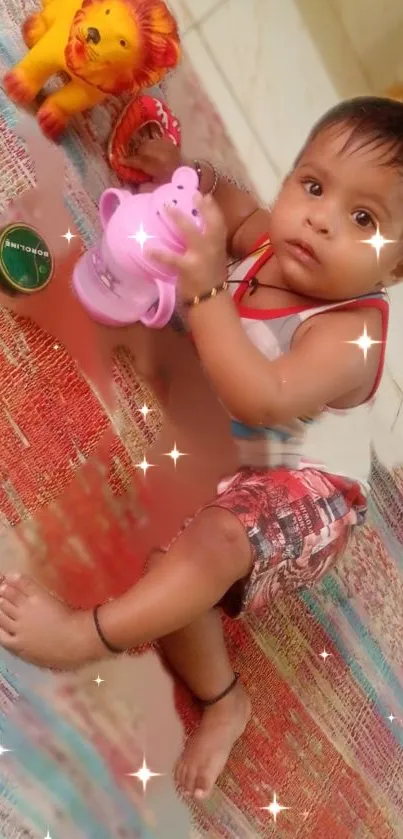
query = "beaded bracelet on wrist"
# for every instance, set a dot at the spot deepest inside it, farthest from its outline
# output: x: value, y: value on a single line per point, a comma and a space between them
x: 200, y: 298
x: 199, y: 172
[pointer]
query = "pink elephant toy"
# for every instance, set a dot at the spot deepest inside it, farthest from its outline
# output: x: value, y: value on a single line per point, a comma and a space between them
x: 116, y: 282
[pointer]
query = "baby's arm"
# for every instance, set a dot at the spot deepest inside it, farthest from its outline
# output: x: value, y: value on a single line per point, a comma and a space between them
x: 324, y: 366
x: 245, y: 219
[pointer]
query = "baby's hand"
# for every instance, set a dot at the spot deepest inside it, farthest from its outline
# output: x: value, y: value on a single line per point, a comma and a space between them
x: 157, y: 158
x: 203, y: 266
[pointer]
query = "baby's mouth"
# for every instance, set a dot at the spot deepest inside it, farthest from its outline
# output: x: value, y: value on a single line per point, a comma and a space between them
x: 303, y: 251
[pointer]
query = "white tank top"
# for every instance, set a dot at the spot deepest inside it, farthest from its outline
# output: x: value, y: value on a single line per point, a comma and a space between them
x: 338, y: 441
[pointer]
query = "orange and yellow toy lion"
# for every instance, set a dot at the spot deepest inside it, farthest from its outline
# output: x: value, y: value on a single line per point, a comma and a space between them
x: 106, y: 47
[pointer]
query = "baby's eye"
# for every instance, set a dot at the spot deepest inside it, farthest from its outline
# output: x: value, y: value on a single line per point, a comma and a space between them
x: 313, y: 187
x: 363, y: 218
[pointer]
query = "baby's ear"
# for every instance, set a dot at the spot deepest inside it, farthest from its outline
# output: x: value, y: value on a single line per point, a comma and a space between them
x: 397, y: 273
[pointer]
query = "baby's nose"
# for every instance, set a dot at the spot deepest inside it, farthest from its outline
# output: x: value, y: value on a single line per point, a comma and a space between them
x: 321, y: 222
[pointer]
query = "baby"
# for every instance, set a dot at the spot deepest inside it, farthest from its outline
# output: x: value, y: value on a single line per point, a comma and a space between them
x: 279, y: 339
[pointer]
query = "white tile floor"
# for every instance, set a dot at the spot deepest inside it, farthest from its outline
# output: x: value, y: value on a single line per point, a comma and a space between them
x: 191, y: 12
x: 262, y: 69
x: 271, y: 67
x: 262, y: 171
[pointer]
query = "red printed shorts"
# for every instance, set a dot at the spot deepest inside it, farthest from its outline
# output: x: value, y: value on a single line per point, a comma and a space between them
x: 298, y: 524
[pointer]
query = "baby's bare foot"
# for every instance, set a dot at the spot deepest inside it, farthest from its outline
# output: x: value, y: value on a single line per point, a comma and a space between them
x: 207, y: 752
x: 38, y: 628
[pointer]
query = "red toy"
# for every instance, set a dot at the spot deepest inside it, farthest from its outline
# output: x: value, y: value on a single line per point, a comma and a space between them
x: 143, y: 118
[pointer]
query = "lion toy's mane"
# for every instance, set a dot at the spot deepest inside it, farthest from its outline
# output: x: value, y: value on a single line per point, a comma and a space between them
x: 155, y: 32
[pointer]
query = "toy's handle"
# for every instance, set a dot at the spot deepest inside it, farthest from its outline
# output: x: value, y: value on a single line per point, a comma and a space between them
x: 110, y: 200
x: 166, y: 305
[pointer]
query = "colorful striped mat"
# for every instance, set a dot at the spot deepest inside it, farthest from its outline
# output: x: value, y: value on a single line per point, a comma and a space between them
x: 55, y: 778
x: 325, y: 670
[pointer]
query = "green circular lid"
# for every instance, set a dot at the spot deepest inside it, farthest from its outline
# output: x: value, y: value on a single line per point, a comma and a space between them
x: 26, y: 263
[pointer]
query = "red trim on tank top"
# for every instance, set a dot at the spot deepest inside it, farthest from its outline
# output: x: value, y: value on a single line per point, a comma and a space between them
x: 272, y: 314
x: 263, y: 314
x: 383, y: 307
x: 265, y: 238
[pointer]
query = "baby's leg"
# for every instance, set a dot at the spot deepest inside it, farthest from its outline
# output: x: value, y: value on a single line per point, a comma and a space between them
x: 204, y: 562
x: 199, y: 656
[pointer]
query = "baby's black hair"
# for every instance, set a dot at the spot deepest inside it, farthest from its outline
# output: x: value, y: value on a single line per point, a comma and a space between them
x: 374, y: 121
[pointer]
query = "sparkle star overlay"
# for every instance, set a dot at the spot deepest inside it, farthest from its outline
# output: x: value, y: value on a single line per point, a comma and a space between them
x: 275, y: 808
x: 377, y: 241
x: 4, y: 751
x: 175, y: 454
x: 144, y: 465
x: 364, y: 342
x: 141, y: 236
x: 144, y: 774
x: 98, y: 681
x: 145, y: 411
x: 325, y: 655
x: 68, y: 236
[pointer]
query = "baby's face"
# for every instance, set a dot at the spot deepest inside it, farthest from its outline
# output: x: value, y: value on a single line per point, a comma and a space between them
x: 329, y: 207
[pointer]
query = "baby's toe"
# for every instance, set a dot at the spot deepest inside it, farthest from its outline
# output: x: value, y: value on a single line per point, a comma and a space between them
x: 22, y: 584
x: 11, y: 595
x: 8, y: 608
x: 7, y: 624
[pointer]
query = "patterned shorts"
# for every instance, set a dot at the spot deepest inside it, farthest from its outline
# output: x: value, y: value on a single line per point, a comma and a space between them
x: 298, y: 524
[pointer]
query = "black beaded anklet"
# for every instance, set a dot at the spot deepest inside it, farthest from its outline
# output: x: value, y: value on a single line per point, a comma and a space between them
x: 206, y: 703
x: 105, y: 642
